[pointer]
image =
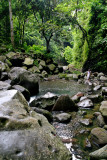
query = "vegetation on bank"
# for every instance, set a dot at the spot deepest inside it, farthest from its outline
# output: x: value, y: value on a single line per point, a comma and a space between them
x: 70, y: 32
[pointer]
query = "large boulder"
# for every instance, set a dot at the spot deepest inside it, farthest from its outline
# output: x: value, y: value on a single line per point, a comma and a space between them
x: 99, y: 154
x: 103, y: 108
x: 64, y: 103
x: 99, y: 136
x: 24, y: 78
x: 25, y: 134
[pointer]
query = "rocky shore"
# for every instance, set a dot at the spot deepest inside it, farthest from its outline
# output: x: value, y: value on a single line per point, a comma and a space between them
x: 26, y: 131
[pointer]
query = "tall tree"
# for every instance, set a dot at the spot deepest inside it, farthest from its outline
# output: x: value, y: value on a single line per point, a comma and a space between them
x: 11, y: 24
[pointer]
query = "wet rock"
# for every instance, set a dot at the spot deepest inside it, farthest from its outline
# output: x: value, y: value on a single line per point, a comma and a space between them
x: 45, y: 102
x: 86, y: 103
x: 4, y: 85
x: 10, y: 54
x: 104, y: 91
x: 64, y: 103
x: 103, y: 108
x: 99, y: 154
x: 23, y: 90
x: 99, y: 135
x: 86, y: 122
x: 25, y: 134
x: 62, y: 117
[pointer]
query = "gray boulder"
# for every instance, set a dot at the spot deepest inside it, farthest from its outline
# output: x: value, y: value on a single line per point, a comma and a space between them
x: 99, y: 154
x: 24, y: 78
x: 25, y: 134
x: 64, y: 103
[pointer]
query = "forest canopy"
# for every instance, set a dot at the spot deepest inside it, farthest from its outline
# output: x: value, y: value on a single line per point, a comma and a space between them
x: 71, y: 31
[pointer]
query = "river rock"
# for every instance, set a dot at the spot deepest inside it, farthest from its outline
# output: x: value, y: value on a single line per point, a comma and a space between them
x: 86, y: 103
x: 103, y: 108
x: 104, y: 91
x: 4, y: 85
x: 45, y: 102
x: 99, y: 136
x: 25, y: 134
x: 99, y: 154
x: 23, y: 90
x: 64, y: 103
x: 24, y: 78
x: 100, y: 74
x: 62, y: 117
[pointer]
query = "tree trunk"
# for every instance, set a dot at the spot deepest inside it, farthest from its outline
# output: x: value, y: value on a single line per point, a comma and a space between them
x: 47, y: 46
x: 11, y: 24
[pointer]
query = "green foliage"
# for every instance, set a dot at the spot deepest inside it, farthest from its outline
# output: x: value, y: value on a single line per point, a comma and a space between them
x: 36, y: 62
x: 68, y: 54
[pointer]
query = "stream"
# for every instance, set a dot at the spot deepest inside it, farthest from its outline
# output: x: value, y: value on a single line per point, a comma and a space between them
x: 60, y: 87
